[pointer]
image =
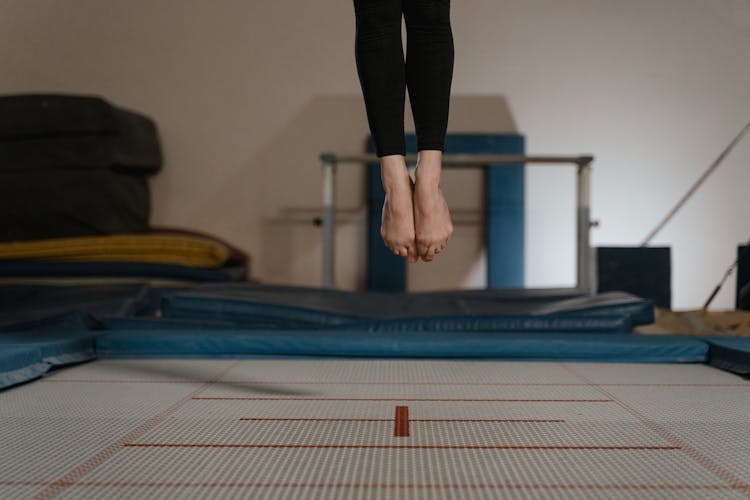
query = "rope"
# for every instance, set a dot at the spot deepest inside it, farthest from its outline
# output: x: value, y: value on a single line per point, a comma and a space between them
x: 695, y: 186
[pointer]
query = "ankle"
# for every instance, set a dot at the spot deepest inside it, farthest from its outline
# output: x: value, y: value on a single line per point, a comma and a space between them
x: 393, y: 173
x: 429, y: 167
x: 428, y: 176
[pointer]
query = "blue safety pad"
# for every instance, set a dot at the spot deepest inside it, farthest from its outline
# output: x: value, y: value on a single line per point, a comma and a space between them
x: 48, y: 307
x: 20, y: 364
x: 730, y: 354
x: 247, y: 305
x: 347, y: 343
x: 27, y: 355
x: 24, y: 269
x: 144, y: 323
x: 640, y: 311
x: 249, y: 313
x: 600, y: 324
x: 55, y: 348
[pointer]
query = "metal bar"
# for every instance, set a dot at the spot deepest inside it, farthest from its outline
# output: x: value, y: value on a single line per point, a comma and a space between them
x: 464, y: 159
x: 584, y: 270
x: 329, y: 220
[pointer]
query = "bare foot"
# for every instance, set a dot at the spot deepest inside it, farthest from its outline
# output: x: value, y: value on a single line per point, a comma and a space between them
x: 432, y: 218
x: 397, y: 225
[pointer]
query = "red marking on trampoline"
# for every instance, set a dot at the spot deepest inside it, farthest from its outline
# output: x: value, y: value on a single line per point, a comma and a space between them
x: 421, y: 420
x: 401, y: 422
x: 693, y: 453
x: 396, y: 447
x: 493, y: 420
x: 390, y: 486
x: 74, y: 475
x: 412, y: 399
x: 315, y: 419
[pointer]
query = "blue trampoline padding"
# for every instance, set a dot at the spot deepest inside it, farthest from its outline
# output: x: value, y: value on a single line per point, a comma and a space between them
x: 23, y: 269
x: 248, y: 313
x: 526, y: 346
x: 76, y: 320
x: 55, y: 348
x: 639, y: 311
x: 730, y: 354
x: 498, y: 324
x: 118, y: 323
x: 243, y: 302
x: 43, y: 307
x: 20, y: 364
x: 516, y: 324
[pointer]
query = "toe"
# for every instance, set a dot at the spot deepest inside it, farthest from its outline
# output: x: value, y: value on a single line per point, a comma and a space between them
x: 413, y: 256
x: 423, y: 247
x: 428, y: 255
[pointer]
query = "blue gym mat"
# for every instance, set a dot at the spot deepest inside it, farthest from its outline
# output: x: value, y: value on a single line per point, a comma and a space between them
x: 55, y: 348
x: 246, y: 305
x: 47, y: 326
x: 346, y: 343
x: 42, y: 307
x: 730, y: 354
x: 497, y: 324
x: 20, y: 363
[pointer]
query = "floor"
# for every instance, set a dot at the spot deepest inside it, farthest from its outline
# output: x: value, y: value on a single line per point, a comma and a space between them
x: 699, y: 322
x: 326, y: 428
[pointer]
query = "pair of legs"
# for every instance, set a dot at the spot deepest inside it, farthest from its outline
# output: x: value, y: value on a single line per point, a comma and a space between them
x: 416, y: 221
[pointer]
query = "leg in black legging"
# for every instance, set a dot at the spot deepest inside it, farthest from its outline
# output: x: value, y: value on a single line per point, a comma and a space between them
x: 429, y: 71
x: 382, y: 72
x: 416, y: 220
x: 382, y: 75
x: 429, y: 68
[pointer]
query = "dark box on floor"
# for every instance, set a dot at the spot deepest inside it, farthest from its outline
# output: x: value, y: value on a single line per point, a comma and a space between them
x: 642, y: 271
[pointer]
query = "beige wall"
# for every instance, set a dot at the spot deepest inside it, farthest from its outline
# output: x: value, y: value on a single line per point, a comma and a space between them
x: 247, y: 93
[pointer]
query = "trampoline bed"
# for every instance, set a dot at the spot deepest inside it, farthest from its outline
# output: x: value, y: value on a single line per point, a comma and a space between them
x: 226, y: 402
x: 323, y: 428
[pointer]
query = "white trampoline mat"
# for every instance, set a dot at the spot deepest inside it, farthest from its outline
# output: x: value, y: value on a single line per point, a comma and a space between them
x: 350, y: 429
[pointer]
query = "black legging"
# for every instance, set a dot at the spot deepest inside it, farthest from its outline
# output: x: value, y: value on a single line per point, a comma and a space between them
x: 384, y: 75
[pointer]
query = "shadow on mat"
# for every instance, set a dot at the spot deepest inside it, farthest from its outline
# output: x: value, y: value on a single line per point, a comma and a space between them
x: 173, y: 372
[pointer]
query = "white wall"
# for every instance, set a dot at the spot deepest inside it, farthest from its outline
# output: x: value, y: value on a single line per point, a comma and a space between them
x: 247, y: 93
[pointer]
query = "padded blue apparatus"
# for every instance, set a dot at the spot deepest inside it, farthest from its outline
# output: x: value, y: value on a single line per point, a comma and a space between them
x: 357, y: 343
x: 40, y: 307
x: 20, y: 363
x: 508, y: 310
x: 55, y: 348
x: 730, y: 353
x: 45, y: 327
x: 504, y: 213
x: 25, y: 356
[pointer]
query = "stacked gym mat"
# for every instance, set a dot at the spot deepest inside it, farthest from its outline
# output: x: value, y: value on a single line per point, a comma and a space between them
x: 42, y: 327
x: 75, y: 201
x: 73, y: 166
